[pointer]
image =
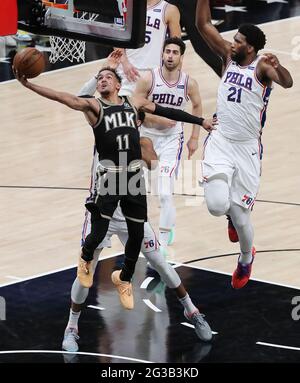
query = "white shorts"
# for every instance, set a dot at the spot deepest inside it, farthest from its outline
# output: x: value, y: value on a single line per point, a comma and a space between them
x: 236, y: 161
x: 168, y: 149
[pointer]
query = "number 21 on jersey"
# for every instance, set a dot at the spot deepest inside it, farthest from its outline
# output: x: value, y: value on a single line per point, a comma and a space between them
x: 235, y: 94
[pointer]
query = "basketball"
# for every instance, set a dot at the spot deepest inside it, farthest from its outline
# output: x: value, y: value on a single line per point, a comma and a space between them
x: 29, y: 62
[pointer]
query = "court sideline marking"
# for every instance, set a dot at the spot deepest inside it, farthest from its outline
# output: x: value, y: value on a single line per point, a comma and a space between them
x: 72, y: 353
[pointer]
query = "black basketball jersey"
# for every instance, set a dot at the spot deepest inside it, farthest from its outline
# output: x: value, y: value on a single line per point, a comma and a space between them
x: 116, y: 135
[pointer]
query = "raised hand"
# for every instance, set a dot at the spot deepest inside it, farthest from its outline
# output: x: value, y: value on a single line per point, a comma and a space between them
x: 114, y: 59
x: 130, y: 71
x: 271, y: 59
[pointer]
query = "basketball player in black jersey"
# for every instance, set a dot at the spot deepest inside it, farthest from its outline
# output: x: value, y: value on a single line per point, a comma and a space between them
x: 120, y: 176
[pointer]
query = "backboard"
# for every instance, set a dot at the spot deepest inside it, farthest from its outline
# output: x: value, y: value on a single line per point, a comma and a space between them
x: 119, y: 23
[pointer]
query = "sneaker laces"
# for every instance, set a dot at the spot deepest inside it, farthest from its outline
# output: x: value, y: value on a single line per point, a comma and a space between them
x: 243, y: 270
x: 125, y: 288
x: 71, y: 332
x: 83, y: 265
x: 198, y: 317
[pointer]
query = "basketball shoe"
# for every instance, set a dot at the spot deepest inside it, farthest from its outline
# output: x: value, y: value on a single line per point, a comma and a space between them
x: 85, y: 272
x: 124, y: 289
x: 232, y: 233
x: 242, y: 273
x: 70, y: 340
x: 202, y: 328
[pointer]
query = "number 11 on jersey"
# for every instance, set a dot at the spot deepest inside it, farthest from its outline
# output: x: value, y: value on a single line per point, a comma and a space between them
x: 123, y: 141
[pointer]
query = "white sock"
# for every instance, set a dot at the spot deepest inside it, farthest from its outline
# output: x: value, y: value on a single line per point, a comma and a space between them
x: 245, y: 258
x: 188, y: 305
x: 241, y: 220
x: 164, y: 238
x: 73, y: 319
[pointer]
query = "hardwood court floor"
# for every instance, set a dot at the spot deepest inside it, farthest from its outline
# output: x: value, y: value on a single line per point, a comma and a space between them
x: 45, y: 157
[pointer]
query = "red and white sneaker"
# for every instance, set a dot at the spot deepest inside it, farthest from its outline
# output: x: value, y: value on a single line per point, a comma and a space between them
x: 242, y: 273
x: 232, y: 233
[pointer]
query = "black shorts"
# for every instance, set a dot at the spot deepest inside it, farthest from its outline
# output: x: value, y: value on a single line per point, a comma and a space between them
x: 133, y: 205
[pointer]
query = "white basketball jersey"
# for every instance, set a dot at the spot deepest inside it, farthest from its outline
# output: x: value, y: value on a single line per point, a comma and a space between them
x: 242, y: 102
x: 149, y: 55
x: 171, y: 95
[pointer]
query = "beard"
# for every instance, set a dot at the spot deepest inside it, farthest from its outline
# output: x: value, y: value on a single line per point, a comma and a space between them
x: 238, y: 57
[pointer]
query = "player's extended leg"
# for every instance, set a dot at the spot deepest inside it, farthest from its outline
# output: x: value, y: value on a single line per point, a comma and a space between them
x: 167, y: 209
x: 170, y: 277
x: 99, y: 227
x: 122, y: 278
x: 78, y: 297
x: 169, y: 152
x: 241, y: 220
x: 132, y: 248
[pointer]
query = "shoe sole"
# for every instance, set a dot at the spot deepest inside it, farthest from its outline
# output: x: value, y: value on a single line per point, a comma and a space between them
x: 69, y: 350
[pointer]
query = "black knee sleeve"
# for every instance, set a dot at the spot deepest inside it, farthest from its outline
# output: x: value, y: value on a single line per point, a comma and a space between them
x: 132, y: 249
x: 99, y: 228
x: 135, y: 237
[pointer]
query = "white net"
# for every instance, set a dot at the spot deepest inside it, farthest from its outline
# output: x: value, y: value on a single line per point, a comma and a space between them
x: 63, y: 48
x: 66, y: 49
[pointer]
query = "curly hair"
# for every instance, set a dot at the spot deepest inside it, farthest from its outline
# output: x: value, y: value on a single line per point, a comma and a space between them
x: 254, y: 36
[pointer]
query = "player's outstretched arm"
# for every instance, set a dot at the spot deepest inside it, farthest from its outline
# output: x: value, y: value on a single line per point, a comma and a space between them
x: 175, y: 114
x: 156, y: 122
x: 209, y: 32
x: 65, y: 98
x: 89, y: 107
x: 143, y: 87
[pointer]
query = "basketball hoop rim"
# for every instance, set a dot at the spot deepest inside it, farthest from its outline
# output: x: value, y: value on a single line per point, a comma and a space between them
x: 54, y: 5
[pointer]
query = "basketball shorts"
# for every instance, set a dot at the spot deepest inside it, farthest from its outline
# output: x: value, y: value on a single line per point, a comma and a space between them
x: 127, y: 189
x: 168, y: 149
x: 118, y: 226
x: 238, y: 162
